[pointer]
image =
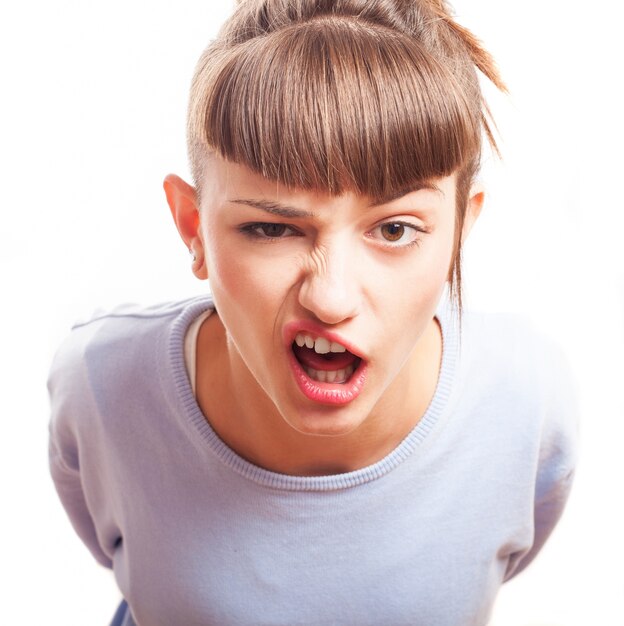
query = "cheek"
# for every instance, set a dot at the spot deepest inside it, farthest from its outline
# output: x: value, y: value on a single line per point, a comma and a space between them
x: 438, y: 255
x: 246, y: 278
x: 425, y: 274
x: 410, y: 294
x: 227, y: 273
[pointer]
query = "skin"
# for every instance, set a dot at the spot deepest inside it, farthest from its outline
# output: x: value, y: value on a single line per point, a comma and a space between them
x: 338, y: 266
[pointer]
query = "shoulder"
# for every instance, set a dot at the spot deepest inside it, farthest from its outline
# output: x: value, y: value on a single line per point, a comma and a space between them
x: 511, y: 348
x: 520, y: 376
x: 114, y: 350
x: 125, y: 326
x: 133, y: 320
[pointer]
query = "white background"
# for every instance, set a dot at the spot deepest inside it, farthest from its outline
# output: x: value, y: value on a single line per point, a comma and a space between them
x: 93, y: 116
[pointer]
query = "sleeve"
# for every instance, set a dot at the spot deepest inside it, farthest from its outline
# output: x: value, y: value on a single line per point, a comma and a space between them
x: 558, y: 454
x: 69, y: 403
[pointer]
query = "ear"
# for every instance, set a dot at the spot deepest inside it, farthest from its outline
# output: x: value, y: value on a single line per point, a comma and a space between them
x: 182, y: 200
x: 476, y: 197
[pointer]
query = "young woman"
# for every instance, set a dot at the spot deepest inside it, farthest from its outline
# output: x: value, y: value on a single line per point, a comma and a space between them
x: 326, y: 438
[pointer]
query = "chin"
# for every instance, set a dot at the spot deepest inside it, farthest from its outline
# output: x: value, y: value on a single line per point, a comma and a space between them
x: 324, y: 423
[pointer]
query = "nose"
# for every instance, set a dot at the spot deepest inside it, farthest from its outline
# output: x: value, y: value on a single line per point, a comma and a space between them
x: 330, y: 289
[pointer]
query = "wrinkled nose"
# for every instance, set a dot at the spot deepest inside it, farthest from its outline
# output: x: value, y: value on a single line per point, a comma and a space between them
x: 330, y: 289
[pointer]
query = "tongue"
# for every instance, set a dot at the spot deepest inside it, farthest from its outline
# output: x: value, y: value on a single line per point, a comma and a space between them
x: 330, y: 361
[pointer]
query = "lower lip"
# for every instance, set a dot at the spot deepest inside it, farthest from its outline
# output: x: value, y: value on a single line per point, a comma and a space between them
x: 329, y: 393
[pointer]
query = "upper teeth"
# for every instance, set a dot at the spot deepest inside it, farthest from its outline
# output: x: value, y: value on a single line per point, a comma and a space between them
x: 320, y: 345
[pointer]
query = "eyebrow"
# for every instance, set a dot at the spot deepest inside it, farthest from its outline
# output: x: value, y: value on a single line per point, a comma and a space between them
x: 285, y: 210
x: 395, y: 195
x: 274, y: 208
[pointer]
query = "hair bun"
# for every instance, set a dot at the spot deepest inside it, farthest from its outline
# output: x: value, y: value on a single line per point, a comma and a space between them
x: 370, y: 96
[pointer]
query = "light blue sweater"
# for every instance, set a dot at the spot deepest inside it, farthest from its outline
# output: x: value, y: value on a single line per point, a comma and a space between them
x: 196, y: 535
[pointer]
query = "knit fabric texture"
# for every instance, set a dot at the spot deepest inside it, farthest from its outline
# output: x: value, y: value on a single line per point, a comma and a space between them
x: 197, y: 535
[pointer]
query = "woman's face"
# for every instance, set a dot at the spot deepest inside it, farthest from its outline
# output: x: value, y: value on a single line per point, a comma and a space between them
x: 323, y: 298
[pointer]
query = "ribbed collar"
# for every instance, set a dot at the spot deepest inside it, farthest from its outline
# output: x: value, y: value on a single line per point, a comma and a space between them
x: 190, y: 412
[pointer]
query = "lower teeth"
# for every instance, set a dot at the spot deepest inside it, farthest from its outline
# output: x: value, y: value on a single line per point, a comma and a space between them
x: 330, y: 376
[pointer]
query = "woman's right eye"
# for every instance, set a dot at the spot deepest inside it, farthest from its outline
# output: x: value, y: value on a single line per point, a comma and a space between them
x: 268, y: 230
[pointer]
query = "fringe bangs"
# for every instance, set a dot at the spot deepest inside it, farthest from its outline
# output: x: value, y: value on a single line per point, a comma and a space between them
x: 334, y: 104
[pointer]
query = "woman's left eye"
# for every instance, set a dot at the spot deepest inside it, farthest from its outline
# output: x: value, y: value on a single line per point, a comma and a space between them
x: 396, y: 234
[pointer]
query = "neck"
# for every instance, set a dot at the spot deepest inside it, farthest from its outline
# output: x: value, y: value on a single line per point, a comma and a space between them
x: 245, y: 418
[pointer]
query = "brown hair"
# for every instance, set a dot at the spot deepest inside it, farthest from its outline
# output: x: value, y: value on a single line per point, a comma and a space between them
x: 371, y: 96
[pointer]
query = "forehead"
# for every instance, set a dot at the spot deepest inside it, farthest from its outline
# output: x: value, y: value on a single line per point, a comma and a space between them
x: 224, y: 181
x: 336, y: 104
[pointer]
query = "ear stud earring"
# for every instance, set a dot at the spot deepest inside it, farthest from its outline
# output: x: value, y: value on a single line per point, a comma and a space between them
x: 193, y: 255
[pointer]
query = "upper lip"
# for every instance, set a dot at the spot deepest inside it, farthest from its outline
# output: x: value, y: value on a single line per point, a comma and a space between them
x: 292, y: 329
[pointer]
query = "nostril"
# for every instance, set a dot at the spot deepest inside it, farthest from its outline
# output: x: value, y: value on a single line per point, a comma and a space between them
x: 331, y: 298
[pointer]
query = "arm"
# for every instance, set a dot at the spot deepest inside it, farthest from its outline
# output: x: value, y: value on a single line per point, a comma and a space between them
x: 549, y: 506
x: 69, y: 488
x: 558, y: 455
x: 69, y: 403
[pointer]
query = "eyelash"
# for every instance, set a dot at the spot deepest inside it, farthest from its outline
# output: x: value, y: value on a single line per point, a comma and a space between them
x: 408, y: 226
x: 253, y: 229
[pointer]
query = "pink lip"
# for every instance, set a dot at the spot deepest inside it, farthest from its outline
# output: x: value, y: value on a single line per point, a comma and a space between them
x: 292, y: 329
x: 325, y: 393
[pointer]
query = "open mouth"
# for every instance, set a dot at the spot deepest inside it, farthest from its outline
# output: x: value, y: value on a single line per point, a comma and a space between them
x: 324, y: 361
x: 326, y: 370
